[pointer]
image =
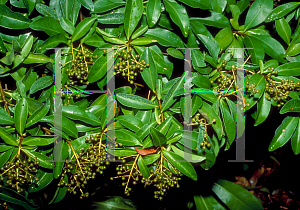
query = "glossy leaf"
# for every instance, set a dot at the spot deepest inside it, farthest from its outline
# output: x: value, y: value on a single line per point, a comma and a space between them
x: 255, y: 48
x: 45, y: 161
x: 37, y: 58
x: 218, y: 5
x: 143, y: 167
x: 4, y: 156
x: 263, y: 110
x: 133, y: 14
x: 49, y: 25
x: 292, y: 68
x: 178, y: 15
x: 53, y: 41
x: 67, y: 25
x: 21, y: 114
x: 76, y: 113
x: 143, y: 41
x: 38, y: 140
x: 292, y: 105
x: 62, y: 191
x: 135, y: 101
x: 38, y: 115
x: 224, y: 37
x: 30, y: 4
x: 45, y: 10
x: 192, y: 158
x: 281, y: 11
x: 112, y: 18
x: 127, y: 138
x: 87, y: 4
x: 158, y: 138
x: 169, y: 98
x: 228, y: 122
x: 12, y: 20
x: 258, y: 12
x: 207, y: 203
x: 149, y: 74
x: 179, y: 163
x: 153, y: 12
x: 284, y: 132
x: 82, y: 28
x: 201, y: 81
x: 131, y: 122
x: 122, y: 152
x: 295, y: 140
x: 165, y: 37
x: 283, y: 29
x: 44, y: 180
x: 99, y: 69
x: 41, y: 83
x: 175, y: 53
x: 216, y: 20
x: 235, y: 196
x: 5, y: 119
x: 101, y: 6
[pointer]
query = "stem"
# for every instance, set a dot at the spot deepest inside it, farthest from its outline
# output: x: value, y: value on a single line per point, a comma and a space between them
x: 4, y: 99
x: 76, y: 157
x: 131, y: 171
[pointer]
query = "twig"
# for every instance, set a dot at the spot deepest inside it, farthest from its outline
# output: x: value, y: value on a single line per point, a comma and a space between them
x: 4, y: 99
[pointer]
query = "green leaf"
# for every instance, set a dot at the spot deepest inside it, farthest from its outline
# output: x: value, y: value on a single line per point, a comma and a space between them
x: 127, y: 137
x: 45, y: 10
x: 38, y: 114
x: 295, y: 140
x: 196, y: 103
x: 77, y: 113
x: 38, y: 140
x: 30, y: 4
x: 235, y: 196
x: 4, y: 156
x: 165, y: 37
x: 87, y: 4
x: 149, y: 159
x: 218, y: 5
x: 21, y: 113
x: 158, y: 58
x: 26, y: 47
x: 112, y: 18
x: 115, y: 203
x: 37, y: 58
x: 41, y: 83
x: 133, y: 14
x: 44, y: 180
x: 122, y: 152
x: 12, y: 20
x: 207, y: 203
x: 284, y: 132
x: 114, y: 40
x: 224, y: 37
x: 209, y: 114
x: 292, y: 105
x: 139, y: 32
x: 134, y: 101
x: 175, y: 53
x: 179, y: 163
x: 211, y: 44
x: 206, y: 94
x: 143, y: 41
x: 2, y: 47
x: 216, y: 20
x: 99, y: 69
x: 228, y: 122
x: 5, y: 119
x: 143, y: 167
x: 131, y: 122
x: 255, y: 48
x: 293, y: 49
x: 258, y: 12
x: 169, y: 98
x: 292, y: 68
x: 45, y: 161
x: 53, y: 41
x: 283, y: 29
x: 271, y: 46
x: 82, y: 28
x: 178, y: 15
x: 61, y: 156
x: 281, y: 11
x: 192, y: 158
x: 263, y: 110
x: 153, y: 12
x: 145, y: 129
x: 158, y: 138
x: 201, y: 81
x: 62, y: 191
x: 101, y: 6
x: 49, y: 25
x: 149, y: 74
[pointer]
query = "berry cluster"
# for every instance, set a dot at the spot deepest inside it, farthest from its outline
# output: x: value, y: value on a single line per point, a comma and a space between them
x: 279, y: 91
x: 205, y: 144
x: 82, y: 60
x: 70, y: 96
x: 250, y: 88
x: 128, y: 64
x: 19, y: 174
x: 163, y: 180
x: 84, y: 165
x: 4, y: 205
